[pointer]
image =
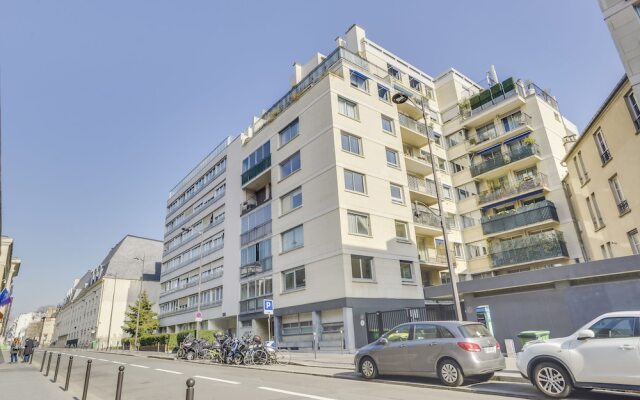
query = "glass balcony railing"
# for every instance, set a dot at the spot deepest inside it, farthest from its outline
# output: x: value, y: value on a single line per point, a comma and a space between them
x: 506, y: 126
x: 511, y: 189
x: 256, y: 267
x: 256, y: 169
x: 502, y: 159
x: 412, y: 124
x: 421, y: 185
x: 256, y: 233
x: 519, y: 217
x: 528, y: 249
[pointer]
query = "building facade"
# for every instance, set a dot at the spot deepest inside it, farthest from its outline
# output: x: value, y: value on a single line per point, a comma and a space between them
x: 603, y: 164
x: 9, y: 268
x: 93, y: 311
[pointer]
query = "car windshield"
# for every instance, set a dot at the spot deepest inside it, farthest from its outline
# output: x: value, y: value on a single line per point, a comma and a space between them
x: 474, y: 331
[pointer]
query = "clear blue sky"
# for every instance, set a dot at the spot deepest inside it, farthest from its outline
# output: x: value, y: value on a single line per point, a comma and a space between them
x: 106, y: 105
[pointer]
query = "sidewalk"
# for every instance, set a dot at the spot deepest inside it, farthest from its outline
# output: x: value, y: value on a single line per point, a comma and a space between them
x: 24, y: 381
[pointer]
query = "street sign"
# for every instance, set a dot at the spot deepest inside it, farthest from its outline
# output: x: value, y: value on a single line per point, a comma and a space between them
x: 268, y: 306
x: 198, y: 316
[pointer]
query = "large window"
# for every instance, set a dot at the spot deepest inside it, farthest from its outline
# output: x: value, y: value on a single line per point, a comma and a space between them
x: 415, y: 84
x: 634, y: 108
x: 354, y: 181
x: 402, y: 230
x: 397, y: 193
x: 406, y: 271
x: 615, y: 327
x: 392, y: 158
x: 351, y: 143
x: 393, y: 71
x: 359, y: 81
x: 254, y: 158
x: 383, y: 93
x: 359, y: 223
x: 257, y: 288
x: 294, y: 279
x: 603, y: 149
x: 348, y: 108
x: 256, y: 218
x: 618, y: 195
x: 362, y: 267
x: 594, y: 212
x: 292, y: 239
x: 634, y: 241
x: 387, y: 125
x: 291, y: 200
x: 288, y: 133
x: 290, y: 165
x: 583, y: 175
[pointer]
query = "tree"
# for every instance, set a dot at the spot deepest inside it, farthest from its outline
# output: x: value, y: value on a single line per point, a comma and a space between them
x: 148, y: 319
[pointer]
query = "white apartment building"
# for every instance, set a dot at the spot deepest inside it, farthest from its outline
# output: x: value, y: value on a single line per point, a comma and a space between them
x: 337, y: 200
x: 93, y: 311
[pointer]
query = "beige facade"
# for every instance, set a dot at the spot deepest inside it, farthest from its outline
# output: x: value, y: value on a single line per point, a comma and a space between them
x: 603, y: 165
x: 9, y: 268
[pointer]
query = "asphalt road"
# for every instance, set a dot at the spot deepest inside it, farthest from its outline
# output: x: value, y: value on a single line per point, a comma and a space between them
x: 149, y: 378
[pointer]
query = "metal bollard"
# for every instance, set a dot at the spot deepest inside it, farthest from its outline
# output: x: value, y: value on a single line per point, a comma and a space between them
x: 44, y: 357
x: 190, y: 391
x: 55, y: 374
x: 33, y: 354
x: 66, y: 384
x: 86, y: 380
x: 48, y: 364
x: 119, y: 384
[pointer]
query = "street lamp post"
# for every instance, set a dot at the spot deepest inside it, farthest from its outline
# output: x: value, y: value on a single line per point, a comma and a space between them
x: 199, y: 300
x: 113, y: 299
x: 400, y: 98
x: 139, y: 294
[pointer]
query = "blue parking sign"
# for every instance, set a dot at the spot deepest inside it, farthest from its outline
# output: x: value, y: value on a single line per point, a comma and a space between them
x: 268, y: 306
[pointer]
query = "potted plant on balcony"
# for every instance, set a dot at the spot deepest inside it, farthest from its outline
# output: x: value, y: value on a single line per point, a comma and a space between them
x: 530, y: 141
x: 465, y: 107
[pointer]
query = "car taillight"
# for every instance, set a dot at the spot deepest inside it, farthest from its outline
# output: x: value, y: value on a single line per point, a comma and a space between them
x: 498, y: 345
x: 468, y: 346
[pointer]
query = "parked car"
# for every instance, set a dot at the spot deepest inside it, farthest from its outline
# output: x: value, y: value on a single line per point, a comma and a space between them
x: 605, y: 353
x: 448, y: 350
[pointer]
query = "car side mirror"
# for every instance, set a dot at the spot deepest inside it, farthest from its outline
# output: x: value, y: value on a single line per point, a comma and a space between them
x: 586, y: 334
x: 383, y: 341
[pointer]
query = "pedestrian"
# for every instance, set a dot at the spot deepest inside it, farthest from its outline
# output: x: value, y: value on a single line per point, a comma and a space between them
x: 28, y: 349
x: 15, y: 348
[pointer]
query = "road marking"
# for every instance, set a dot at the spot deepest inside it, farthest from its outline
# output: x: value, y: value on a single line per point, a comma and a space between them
x: 118, y: 362
x: 92, y: 358
x: 138, y: 366
x: 102, y: 359
x: 217, y: 380
x: 169, y: 371
x: 308, y: 396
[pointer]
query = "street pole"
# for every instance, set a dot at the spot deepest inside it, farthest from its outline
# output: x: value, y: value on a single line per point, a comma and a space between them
x: 139, y: 294
x: 113, y: 298
x: 200, y: 283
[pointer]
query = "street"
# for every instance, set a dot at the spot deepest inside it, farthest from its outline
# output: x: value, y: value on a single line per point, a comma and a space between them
x: 151, y: 378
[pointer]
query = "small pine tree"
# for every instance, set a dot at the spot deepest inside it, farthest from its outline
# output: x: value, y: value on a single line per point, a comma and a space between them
x: 148, y: 321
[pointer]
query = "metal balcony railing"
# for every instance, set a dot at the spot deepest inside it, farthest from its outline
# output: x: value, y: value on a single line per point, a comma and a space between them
x: 256, y: 267
x: 605, y: 156
x: 193, y: 283
x: 513, y: 189
x: 528, y: 249
x: 195, y: 256
x: 426, y: 218
x: 256, y: 233
x: 175, y: 244
x: 412, y: 124
x: 623, y: 207
x: 257, y: 169
x: 421, y: 185
x: 523, y: 216
x: 500, y: 130
x: 502, y: 159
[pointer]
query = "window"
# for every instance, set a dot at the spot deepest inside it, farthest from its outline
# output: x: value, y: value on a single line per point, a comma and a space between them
x: 465, y: 191
x: 383, y: 93
x: 476, y: 250
x: 392, y: 158
x: 415, y: 84
x: 447, y: 193
x: 467, y: 221
x: 290, y: 165
x: 607, y: 250
x: 603, y: 149
x: 397, y: 193
x: 459, y: 164
x: 387, y: 125
x: 512, y: 121
x: 292, y: 239
x: 618, y: 195
x: 455, y: 138
x: 350, y: 143
x: 583, y: 175
x: 359, y: 81
x: 291, y: 200
x: 359, y: 223
x: 347, y: 108
x: 354, y: 181
x: 457, y: 247
x: 441, y: 163
x: 288, y: 133
x: 445, y: 278
x: 362, y: 267
x: 425, y: 332
x: 634, y: 240
x: 393, y: 71
x: 294, y: 279
x: 615, y: 327
x: 402, y: 230
x: 594, y: 212
x: 634, y: 108
x: 406, y: 271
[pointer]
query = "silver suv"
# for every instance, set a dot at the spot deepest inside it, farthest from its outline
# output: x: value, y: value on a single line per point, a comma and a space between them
x: 448, y: 350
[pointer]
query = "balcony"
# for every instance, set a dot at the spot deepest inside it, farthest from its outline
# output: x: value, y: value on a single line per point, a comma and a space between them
x: 623, y: 207
x: 417, y: 161
x: 426, y: 223
x: 256, y: 267
x: 252, y: 203
x: 413, y: 132
x: 256, y: 233
x: 528, y: 249
x: 253, y: 305
x: 193, y: 283
x: 195, y: 256
x: 256, y: 170
x: 499, y: 99
x: 532, y: 214
x: 507, y: 158
x: 505, y: 129
x: 176, y: 244
x: 422, y: 190
x: 513, y: 189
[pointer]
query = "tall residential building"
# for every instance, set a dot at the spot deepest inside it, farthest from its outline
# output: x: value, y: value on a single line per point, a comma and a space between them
x: 336, y: 197
x: 93, y: 312
x: 623, y: 19
x: 9, y: 268
x: 603, y: 167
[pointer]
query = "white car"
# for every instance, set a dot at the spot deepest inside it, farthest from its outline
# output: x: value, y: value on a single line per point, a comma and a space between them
x: 605, y: 354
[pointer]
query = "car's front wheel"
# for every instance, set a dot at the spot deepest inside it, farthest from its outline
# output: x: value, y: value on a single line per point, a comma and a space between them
x: 368, y: 368
x: 450, y: 373
x: 552, y: 380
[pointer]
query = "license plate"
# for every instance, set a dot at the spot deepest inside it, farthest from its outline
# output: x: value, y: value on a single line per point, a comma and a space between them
x: 490, y: 349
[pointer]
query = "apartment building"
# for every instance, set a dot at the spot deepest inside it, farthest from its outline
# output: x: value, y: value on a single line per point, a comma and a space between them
x: 623, y: 20
x: 93, y: 311
x: 9, y: 268
x: 603, y: 164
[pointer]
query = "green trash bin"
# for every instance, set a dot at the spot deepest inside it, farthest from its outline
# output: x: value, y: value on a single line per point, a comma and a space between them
x: 528, y: 336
